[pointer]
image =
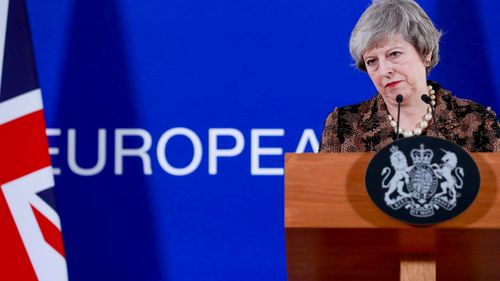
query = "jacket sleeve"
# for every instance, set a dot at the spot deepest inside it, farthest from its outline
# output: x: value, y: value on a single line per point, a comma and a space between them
x: 329, y: 138
x: 492, y: 127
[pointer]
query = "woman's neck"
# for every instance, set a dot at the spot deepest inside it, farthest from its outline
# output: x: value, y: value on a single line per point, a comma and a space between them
x: 412, y: 111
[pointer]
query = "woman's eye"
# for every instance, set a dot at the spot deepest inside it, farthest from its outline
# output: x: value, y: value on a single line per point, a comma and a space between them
x: 395, y: 54
x: 370, y: 62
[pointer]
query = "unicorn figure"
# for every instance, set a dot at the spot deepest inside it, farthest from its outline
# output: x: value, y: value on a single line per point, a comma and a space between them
x: 451, y: 174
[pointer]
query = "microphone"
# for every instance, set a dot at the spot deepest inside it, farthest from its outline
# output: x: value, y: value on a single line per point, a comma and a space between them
x: 427, y: 100
x: 399, y: 100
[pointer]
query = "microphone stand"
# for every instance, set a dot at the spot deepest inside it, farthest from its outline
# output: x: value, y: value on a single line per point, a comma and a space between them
x: 399, y: 100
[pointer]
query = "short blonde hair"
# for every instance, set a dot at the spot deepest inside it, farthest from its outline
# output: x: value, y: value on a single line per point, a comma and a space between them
x: 386, y: 18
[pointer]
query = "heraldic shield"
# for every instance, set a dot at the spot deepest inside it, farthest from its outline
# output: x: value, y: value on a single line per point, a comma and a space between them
x: 422, y: 180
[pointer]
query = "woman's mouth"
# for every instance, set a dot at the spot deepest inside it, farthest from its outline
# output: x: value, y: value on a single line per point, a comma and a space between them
x: 392, y: 84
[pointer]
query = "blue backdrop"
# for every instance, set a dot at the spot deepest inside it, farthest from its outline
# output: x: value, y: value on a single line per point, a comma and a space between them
x: 136, y: 94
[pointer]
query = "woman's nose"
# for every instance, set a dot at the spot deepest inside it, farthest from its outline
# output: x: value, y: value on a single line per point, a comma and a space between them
x: 385, y: 68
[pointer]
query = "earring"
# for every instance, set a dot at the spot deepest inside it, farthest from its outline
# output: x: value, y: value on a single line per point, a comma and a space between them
x: 427, y: 63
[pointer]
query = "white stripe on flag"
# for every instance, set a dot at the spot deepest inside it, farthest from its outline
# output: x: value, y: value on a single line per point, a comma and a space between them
x: 4, y: 11
x: 21, y: 105
x: 20, y: 194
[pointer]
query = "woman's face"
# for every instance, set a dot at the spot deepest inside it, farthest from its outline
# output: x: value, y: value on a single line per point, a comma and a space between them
x: 395, y: 67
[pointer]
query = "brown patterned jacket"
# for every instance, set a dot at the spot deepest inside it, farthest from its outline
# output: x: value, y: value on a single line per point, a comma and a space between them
x: 364, y: 127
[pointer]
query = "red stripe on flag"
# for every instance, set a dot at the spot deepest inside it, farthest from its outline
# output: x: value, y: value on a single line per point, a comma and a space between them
x: 14, y: 261
x: 51, y: 233
x: 23, y: 146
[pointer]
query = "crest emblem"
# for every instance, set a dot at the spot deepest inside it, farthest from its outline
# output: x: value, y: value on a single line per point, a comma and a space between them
x: 426, y: 186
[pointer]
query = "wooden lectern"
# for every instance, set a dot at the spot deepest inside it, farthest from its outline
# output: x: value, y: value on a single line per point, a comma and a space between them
x: 335, y: 232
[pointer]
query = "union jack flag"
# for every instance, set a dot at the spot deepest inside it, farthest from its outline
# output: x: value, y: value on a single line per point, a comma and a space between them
x: 31, y: 245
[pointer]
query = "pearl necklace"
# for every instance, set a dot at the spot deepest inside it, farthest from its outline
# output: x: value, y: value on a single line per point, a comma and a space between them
x: 422, y: 124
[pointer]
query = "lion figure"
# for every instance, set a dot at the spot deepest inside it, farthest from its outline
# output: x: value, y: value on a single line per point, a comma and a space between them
x: 397, y: 182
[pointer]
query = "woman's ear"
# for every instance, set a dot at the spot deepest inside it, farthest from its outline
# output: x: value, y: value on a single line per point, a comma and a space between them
x: 428, y: 57
x: 427, y: 60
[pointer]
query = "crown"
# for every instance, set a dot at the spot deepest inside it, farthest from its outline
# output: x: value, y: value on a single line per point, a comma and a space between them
x: 394, y: 149
x: 421, y: 156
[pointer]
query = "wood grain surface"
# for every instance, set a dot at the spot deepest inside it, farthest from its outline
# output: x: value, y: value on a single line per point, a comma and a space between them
x: 335, y: 232
x: 418, y: 268
x: 328, y: 190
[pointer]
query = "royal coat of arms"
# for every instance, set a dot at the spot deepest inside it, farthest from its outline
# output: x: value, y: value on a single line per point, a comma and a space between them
x: 424, y: 186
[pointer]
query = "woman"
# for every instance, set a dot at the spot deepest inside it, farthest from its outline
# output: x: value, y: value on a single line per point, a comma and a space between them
x: 397, y: 44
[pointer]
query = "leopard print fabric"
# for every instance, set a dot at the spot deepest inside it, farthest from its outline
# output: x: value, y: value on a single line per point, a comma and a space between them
x: 364, y: 127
